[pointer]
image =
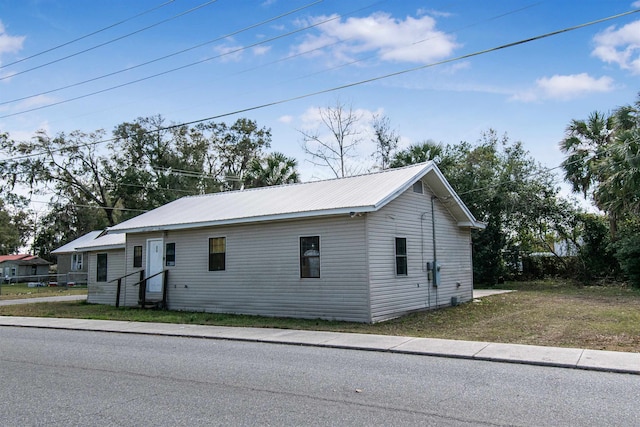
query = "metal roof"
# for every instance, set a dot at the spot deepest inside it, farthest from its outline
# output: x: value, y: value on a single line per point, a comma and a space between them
x: 362, y: 193
x: 104, y: 242
x: 72, y: 245
x: 23, y: 259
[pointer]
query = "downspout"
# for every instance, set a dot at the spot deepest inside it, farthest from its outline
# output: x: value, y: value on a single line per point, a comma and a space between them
x: 424, y: 268
x: 433, y: 235
x: 433, y: 228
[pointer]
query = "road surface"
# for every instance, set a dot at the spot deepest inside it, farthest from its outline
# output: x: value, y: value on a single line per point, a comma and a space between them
x: 79, y: 378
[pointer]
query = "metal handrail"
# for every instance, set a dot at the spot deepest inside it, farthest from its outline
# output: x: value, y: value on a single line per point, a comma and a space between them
x: 127, y: 275
x: 147, y: 278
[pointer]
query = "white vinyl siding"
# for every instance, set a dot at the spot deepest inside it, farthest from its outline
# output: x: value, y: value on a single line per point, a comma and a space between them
x: 409, y: 216
x: 262, y: 270
x: 104, y: 292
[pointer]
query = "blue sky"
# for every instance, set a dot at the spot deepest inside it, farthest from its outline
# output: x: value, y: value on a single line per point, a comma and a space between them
x: 232, y: 60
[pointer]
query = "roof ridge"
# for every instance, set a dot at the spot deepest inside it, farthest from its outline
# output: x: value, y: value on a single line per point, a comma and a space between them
x: 389, y: 170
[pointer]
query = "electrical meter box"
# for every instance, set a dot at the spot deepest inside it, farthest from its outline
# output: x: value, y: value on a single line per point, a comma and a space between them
x: 433, y: 272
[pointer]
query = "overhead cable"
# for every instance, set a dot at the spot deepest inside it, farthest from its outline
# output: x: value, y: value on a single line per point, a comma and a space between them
x: 162, y: 57
x: 11, y: 75
x: 51, y: 49
x: 361, y: 82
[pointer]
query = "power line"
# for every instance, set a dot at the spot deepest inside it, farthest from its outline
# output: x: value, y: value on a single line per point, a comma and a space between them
x: 89, y: 206
x: 234, y: 51
x: 359, y: 83
x: 158, y: 59
x: 11, y: 75
x: 172, y: 70
x: 51, y: 49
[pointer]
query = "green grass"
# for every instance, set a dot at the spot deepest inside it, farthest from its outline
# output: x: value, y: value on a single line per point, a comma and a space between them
x: 550, y: 313
x: 21, y: 290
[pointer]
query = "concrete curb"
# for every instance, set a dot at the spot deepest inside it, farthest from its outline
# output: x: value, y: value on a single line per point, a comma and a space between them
x: 593, y: 360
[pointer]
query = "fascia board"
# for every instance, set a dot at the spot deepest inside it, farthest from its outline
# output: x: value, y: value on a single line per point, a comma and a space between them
x: 99, y: 248
x: 234, y: 221
x: 404, y: 187
x: 474, y: 223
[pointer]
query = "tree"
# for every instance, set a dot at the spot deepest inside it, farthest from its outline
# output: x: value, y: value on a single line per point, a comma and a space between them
x: 505, y: 188
x: 235, y: 147
x: 386, y: 140
x: 15, y: 226
x: 275, y: 169
x: 587, y: 144
x: 147, y: 164
x: 67, y: 165
x: 627, y: 250
x: 334, y: 150
x: 153, y: 163
x: 419, y: 153
x: 603, y: 163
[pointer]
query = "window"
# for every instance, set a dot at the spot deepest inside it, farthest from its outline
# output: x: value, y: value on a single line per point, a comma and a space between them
x: 137, y: 256
x: 417, y: 187
x: 76, y: 262
x: 170, y: 254
x: 310, y: 256
x: 217, y: 253
x: 101, y: 268
x: 401, y: 256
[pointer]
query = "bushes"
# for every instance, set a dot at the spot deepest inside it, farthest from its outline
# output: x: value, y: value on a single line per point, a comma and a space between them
x: 627, y: 251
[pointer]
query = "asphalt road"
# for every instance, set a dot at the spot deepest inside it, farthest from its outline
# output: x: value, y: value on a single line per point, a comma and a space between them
x: 74, y: 378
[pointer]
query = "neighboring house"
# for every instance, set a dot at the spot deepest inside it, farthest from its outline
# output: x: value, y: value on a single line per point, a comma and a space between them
x: 72, y: 264
x: 24, y: 268
x: 105, y: 264
x: 364, y: 248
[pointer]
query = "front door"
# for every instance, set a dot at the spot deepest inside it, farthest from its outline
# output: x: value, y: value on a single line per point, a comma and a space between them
x: 154, y: 265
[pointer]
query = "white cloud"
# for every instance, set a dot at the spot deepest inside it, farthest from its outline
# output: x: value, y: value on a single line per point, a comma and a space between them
x: 312, y: 123
x: 434, y: 12
x: 285, y: 119
x: 229, y: 53
x: 260, y: 50
x: 26, y: 134
x: 620, y: 46
x: 9, y: 44
x: 565, y: 87
x: 635, y: 4
x: 35, y: 101
x: 410, y: 40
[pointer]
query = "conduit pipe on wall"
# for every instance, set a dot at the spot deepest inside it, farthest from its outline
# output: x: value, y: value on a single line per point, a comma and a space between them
x: 435, y: 255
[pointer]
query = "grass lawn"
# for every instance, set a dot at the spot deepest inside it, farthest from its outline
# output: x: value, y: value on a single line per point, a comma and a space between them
x: 22, y: 290
x: 549, y: 313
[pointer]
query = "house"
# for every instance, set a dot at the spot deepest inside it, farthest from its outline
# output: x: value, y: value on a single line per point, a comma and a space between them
x: 24, y: 268
x: 105, y: 264
x: 72, y: 265
x: 364, y: 248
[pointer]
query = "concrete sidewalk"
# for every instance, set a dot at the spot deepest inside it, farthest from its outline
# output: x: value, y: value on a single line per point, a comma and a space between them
x: 597, y: 360
x: 42, y: 299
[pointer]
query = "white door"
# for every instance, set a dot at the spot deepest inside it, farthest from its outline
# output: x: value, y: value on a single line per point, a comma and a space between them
x: 154, y: 265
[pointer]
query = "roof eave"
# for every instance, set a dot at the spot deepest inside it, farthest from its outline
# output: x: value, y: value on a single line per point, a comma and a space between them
x: 234, y: 221
x: 100, y: 248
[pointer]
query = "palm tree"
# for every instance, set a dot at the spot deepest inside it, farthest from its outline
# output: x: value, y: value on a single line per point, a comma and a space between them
x: 275, y: 169
x: 603, y: 160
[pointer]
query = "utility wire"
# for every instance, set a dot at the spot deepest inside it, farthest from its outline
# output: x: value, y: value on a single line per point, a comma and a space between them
x: 358, y: 83
x: 86, y: 35
x: 113, y: 208
x: 186, y: 65
x: 172, y: 70
x: 160, y: 58
x: 247, y: 70
x: 11, y: 75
